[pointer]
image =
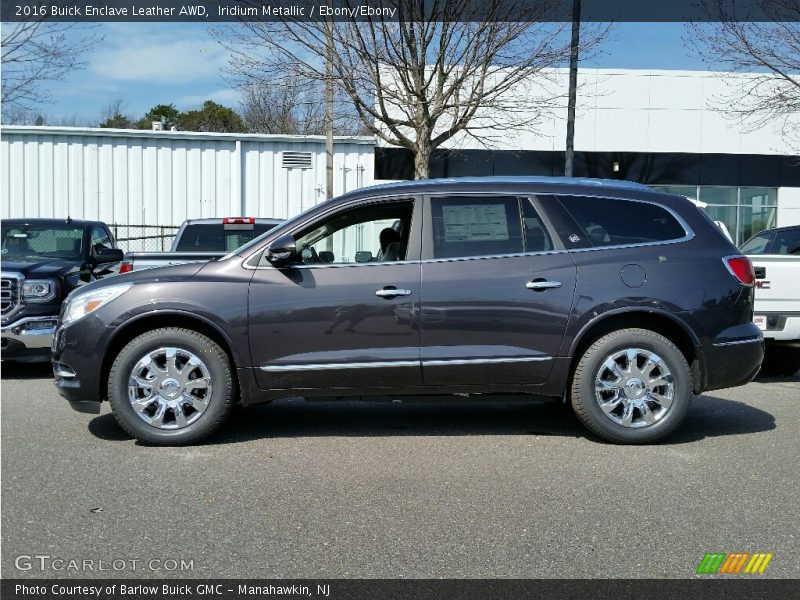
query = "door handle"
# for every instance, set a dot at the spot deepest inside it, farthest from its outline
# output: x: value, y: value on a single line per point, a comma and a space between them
x: 540, y: 285
x: 390, y: 292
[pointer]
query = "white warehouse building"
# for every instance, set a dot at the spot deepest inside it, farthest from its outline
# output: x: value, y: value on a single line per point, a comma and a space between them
x: 661, y: 128
x: 139, y: 177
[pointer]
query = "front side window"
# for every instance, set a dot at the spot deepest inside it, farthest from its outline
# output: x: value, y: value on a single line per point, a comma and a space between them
x: 614, y: 222
x: 101, y: 240
x: 377, y: 232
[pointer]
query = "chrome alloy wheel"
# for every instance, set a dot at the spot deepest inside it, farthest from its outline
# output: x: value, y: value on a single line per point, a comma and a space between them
x: 634, y: 387
x: 169, y: 388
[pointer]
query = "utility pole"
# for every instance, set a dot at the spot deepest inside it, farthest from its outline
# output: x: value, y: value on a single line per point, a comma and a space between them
x: 573, y: 86
x: 329, y: 107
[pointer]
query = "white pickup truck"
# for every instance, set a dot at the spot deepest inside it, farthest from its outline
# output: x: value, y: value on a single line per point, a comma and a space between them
x: 201, y: 240
x: 775, y: 254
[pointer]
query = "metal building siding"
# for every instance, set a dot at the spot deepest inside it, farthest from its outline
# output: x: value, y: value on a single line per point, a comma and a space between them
x: 163, y: 178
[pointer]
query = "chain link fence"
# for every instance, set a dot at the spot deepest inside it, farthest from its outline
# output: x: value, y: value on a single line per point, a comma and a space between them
x: 144, y: 238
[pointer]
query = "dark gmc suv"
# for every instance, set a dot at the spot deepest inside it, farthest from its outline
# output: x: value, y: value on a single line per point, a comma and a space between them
x: 618, y: 299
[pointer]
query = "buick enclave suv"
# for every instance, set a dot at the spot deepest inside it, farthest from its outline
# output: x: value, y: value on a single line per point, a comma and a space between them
x: 620, y: 300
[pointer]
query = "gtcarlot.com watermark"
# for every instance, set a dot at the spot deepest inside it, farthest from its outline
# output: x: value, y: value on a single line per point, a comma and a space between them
x: 45, y: 562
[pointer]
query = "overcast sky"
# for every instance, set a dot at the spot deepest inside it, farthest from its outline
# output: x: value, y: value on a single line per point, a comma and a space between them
x: 182, y: 64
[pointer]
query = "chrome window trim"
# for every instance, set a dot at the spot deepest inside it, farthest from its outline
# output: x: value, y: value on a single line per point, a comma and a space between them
x: 487, y: 257
x: 494, y: 256
x: 339, y: 265
x: 528, y: 194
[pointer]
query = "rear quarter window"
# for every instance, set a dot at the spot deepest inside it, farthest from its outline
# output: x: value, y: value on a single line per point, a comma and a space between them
x: 615, y: 222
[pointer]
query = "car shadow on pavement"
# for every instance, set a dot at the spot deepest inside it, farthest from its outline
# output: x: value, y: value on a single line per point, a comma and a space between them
x: 765, y: 379
x: 15, y: 370
x: 709, y: 416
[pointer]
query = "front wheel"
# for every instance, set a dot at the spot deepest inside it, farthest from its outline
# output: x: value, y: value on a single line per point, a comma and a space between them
x: 632, y: 386
x: 171, y: 386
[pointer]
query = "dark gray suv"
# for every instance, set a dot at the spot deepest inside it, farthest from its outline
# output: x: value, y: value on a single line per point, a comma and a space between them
x: 618, y: 299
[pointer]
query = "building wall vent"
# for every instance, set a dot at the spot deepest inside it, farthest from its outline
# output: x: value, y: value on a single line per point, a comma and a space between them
x: 296, y: 160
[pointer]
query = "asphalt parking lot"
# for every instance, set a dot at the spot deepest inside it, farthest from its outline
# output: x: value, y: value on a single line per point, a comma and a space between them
x: 448, y: 489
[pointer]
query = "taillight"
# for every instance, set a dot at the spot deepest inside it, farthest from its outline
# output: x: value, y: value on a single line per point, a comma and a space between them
x: 741, y: 268
x: 238, y: 221
x: 125, y: 267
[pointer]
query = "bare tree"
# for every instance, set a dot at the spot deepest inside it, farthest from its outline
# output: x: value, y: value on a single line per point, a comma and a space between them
x: 768, y: 52
x: 434, y: 70
x: 283, y: 106
x: 37, y: 52
x: 113, y: 115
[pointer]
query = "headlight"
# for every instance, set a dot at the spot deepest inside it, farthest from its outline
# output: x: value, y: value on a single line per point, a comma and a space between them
x: 81, y: 305
x: 39, y: 290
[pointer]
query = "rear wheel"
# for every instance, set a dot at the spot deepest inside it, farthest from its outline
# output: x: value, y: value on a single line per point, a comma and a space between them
x: 171, y: 386
x: 632, y: 386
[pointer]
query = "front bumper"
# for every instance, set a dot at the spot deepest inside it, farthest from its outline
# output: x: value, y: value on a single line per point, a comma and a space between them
x: 29, y: 338
x: 78, y: 349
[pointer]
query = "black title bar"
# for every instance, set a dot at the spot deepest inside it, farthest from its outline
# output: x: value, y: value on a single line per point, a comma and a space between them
x: 398, y: 10
x: 421, y: 589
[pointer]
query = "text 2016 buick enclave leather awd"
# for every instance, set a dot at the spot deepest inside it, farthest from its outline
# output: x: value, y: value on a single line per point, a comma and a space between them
x: 621, y: 300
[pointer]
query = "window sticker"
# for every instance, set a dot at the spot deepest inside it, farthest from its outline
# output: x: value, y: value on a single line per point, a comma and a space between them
x: 475, y: 223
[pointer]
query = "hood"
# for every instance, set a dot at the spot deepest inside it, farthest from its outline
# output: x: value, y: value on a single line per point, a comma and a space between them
x: 44, y: 268
x: 154, y: 275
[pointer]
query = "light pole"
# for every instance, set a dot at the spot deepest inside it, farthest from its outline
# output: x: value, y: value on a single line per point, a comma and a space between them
x: 573, y: 87
x: 329, y: 107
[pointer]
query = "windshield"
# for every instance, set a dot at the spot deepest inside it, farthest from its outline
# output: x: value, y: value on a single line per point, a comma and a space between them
x: 42, y: 241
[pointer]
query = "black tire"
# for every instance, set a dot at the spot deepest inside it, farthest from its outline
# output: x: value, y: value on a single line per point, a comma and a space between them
x: 221, y: 397
x: 780, y: 362
x: 591, y: 365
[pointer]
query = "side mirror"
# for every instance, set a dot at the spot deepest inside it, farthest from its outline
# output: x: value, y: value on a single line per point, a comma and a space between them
x: 106, y: 256
x: 282, y: 250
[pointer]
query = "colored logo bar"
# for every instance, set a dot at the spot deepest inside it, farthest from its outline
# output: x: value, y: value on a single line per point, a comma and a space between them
x: 734, y: 563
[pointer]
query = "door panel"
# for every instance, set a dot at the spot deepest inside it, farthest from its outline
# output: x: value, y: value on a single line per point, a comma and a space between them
x: 345, y: 314
x: 497, y: 291
x: 481, y: 324
x: 324, y: 327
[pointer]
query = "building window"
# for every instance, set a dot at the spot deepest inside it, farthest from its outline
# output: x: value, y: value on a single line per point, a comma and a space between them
x: 744, y: 210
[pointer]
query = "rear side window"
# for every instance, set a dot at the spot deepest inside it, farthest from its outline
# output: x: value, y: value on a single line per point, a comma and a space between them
x: 470, y: 226
x: 613, y: 222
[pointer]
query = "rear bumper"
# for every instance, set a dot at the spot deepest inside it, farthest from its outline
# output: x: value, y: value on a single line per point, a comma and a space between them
x: 28, y: 339
x: 733, y: 358
x: 781, y: 327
